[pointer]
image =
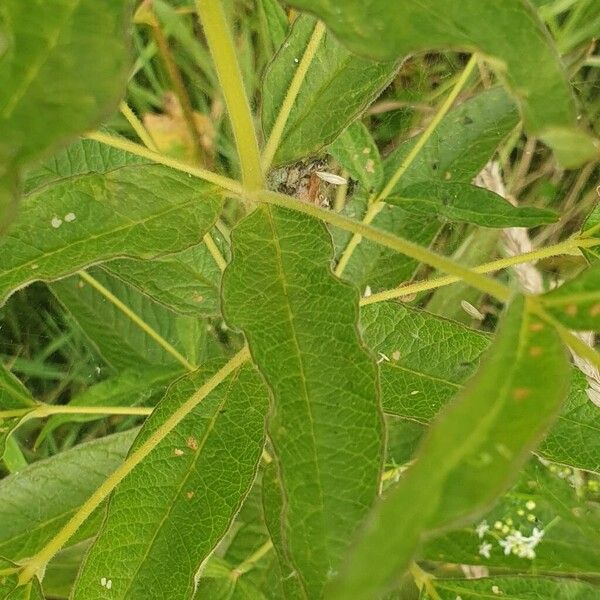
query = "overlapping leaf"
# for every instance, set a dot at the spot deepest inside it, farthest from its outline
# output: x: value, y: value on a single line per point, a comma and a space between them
x: 469, y: 204
x: 425, y: 360
x: 86, y: 219
x: 63, y: 67
x: 458, y: 149
x: 168, y: 515
x: 474, y: 450
x: 337, y: 88
x: 527, y: 61
x: 300, y: 323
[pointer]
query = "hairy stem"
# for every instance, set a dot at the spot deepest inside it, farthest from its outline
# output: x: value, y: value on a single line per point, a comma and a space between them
x: 46, y: 410
x: 137, y: 320
x: 39, y: 560
x: 566, y: 247
x: 222, y: 49
x: 138, y: 126
x: 424, y: 255
x: 290, y: 97
x: 139, y: 150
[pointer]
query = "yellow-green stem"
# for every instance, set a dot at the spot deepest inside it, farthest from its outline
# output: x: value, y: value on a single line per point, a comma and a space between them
x: 137, y: 320
x: 222, y: 49
x: 215, y: 252
x: 251, y: 561
x: 139, y: 150
x: 566, y: 247
x: 489, y: 286
x: 290, y: 97
x: 45, y: 410
x: 424, y: 580
x: 137, y: 126
x: 39, y: 560
x: 376, y: 203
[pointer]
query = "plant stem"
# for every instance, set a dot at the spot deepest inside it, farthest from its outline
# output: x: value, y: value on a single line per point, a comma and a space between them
x: 290, y: 97
x: 251, y: 561
x: 489, y: 286
x: 565, y: 247
x: 39, y: 560
x: 137, y: 320
x: 46, y: 410
x: 220, y: 43
x: 137, y: 126
x: 139, y: 150
x: 376, y: 203
x: 215, y: 252
x: 423, y: 580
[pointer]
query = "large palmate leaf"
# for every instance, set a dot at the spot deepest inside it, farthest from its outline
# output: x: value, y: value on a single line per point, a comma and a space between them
x: 425, y: 360
x: 36, y: 502
x: 577, y: 302
x: 121, y: 342
x: 469, y: 204
x: 567, y: 527
x: 458, y: 149
x: 472, y: 452
x: 300, y: 323
x: 83, y: 220
x: 338, y: 86
x: 13, y: 396
x: 168, y: 515
x: 527, y: 61
x: 63, y: 67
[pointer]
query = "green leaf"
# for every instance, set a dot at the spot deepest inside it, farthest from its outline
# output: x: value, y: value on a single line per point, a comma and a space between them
x: 79, y: 158
x: 576, y: 303
x: 474, y: 450
x: 568, y: 524
x: 300, y: 324
x: 9, y: 589
x: 131, y: 387
x: 458, y: 149
x: 425, y: 360
x: 84, y: 220
x: 120, y: 341
x: 38, y: 500
x: 528, y: 63
x: 63, y: 67
x: 187, y: 282
x: 61, y: 571
x: 168, y: 515
x: 469, y: 204
x: 355, y: 150
x: 338, y: 86
x: 217, y: 583
x: 515, y: 588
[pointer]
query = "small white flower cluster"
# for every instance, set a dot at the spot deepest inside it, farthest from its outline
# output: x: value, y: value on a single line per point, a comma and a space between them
x: 509, y: 537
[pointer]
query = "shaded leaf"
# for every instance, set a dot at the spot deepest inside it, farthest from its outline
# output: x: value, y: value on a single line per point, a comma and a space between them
x: 119, y: 340
x: 168, y: 515
x: 37, y: 501
x: 63, y: 67
x: 129, y: 388
x: 472, y: 452
x: 300, y: 323
x: 355, y: 150
x: 83, y: 220
x: 338, y: 86
x: 528, y: 62
x: 458, y: 149
x: 469, y: 204
x: 576, y: 303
